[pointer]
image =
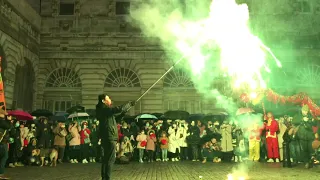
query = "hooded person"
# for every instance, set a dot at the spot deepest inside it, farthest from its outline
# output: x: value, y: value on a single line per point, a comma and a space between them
x: 305, y: 134
x: 106, y: 115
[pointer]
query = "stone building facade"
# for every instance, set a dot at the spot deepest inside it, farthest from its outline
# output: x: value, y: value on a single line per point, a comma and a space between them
x: 59, y: 53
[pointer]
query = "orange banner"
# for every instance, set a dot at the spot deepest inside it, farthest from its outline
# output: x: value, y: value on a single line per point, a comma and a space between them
x: 2, y: 97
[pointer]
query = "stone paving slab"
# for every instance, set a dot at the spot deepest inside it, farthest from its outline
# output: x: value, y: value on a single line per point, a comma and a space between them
x: 165, y: 171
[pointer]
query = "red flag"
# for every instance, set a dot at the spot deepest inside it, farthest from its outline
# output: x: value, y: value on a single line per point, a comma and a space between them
x: 2, y: 97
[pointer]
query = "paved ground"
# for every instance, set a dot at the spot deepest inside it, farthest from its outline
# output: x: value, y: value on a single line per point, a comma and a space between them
x: 165, y: 171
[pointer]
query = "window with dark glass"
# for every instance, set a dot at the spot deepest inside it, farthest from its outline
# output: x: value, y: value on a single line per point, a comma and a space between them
x: 122, y: 8
x: 66, y: 8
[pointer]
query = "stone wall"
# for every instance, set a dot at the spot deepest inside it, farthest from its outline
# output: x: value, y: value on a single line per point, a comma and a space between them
x: 94, y: 43
x: 19, y: 40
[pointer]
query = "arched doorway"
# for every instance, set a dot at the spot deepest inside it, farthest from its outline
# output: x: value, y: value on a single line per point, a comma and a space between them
x: 23, y: 87
x: 123, y: 85
x: 62, y: 90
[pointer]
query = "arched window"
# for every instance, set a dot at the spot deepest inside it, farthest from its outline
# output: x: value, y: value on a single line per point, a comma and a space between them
x: 308, y: 76
x: 177, y: 79
x: 63, y: 78
x: 122, y: 77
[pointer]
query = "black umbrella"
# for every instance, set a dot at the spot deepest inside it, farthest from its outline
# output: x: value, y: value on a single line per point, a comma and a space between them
x: 42, y: 112
x: 213, y: 118
x: 76, y: 109
x: 195, y: 117
x: 58, y: 118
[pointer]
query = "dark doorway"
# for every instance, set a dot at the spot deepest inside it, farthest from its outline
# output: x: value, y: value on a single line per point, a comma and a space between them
x: 23, y: 87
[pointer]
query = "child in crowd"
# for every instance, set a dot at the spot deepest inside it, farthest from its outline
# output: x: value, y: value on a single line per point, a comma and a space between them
x: 142, y: 142
x: 164, y: 146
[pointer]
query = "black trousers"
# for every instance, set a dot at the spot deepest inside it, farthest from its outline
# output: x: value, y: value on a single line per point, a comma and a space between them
x: 306, y: 150
x: 108, y: 158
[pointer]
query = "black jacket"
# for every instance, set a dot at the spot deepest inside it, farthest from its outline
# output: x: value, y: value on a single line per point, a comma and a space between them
x: 107, y: 120
x: 5, y: 125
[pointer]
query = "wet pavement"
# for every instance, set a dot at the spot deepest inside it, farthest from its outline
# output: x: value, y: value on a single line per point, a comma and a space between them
x: 166, y: 171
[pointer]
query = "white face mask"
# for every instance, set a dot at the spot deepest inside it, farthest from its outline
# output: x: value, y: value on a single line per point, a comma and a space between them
x: 33, y: 125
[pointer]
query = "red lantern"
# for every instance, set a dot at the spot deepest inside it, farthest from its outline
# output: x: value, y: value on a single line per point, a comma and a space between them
x: 244, y: 97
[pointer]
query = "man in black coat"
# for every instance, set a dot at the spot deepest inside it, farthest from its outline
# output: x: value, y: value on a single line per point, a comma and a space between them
x: 106, y: 115
x: 5, y: 125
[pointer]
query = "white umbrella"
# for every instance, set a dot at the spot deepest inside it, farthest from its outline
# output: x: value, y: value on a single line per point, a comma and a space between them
x: 82, y: 114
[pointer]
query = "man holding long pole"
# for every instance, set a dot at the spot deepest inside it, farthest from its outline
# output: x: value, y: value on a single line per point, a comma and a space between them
x: 108, y: 126
x: 108, y: 131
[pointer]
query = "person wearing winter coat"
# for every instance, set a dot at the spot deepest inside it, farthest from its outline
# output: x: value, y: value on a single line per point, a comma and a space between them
x: 59, y: 142
x: 5, y: 125
x: 74, y: 143
x: 183, y: 129
x: 85, y: 142
x: 151, y: 144
x: 95, y: 148
x: 164, y: 146
x: 44, y: 133
x: 193, y: 138
x: 108, y: 133
x: 305, y: 135
x: 226, y: 141
x: 141, y: 144
x: 238, y: 143
x: 174, y: 136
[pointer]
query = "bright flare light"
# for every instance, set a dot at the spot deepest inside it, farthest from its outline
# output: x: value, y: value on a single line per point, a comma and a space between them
x: 242, y: 55
x: 230, y: 177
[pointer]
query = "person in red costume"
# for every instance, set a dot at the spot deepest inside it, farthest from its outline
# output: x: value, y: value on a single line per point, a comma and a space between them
x: 271, y: 138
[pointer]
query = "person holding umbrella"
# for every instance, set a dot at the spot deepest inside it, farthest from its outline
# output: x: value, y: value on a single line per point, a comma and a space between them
x: 106, y: 115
